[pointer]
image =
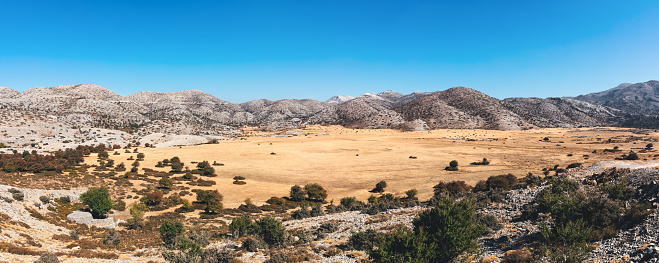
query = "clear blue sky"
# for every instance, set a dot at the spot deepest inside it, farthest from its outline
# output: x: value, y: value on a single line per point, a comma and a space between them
x: 244, y: 50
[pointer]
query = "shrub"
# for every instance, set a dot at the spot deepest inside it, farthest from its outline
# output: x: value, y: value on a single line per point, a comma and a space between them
x: 211, y: 200
x: 504, y: 182
x: 411, y: 194
x: 206, y: 169
x: 440, y: 234
x: 488, y: 221
x: 18, y: 196
x: 166, y: 183
x: 517, y: 256
x: 317, y: 210
x: 631, y: 156
x: 573, y: 165
x: 216, y: 255
x: 454, y: 188
x: 241, y: 226
x: 65, y: 200
x: 453, y: 166
x: 44, y: 199
x: 365, y: 240
x: 254, y: 244
x: 315, y: 192
x: 47, y: 258
x: 637, y: 213
x: 301, y: 213
x: 170, y: 230
x: 297, y: 193
x: 270, y: 230
x: 119, y: 205
x: 348, y: 201
x: 379, y: 187
x: 153, y: 198
x: 111, y: 238
x: 484, y: 162
x: 619, y: 191
x: 98, y: 199
x: 137, y: 213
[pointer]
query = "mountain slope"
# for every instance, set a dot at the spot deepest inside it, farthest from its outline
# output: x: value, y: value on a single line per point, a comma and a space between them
x: 639, y: 98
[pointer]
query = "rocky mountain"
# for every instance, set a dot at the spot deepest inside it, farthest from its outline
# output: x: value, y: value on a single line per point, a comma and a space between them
x: 561, y: 112
x: 339, y: 99
x: 639, y: 98
x: 199, y: 113
x: 463, y: 108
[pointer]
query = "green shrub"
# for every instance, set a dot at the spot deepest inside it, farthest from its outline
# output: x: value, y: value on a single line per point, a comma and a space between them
x: 453, y: 166
x: 315, y: 192
x: 44, y: 199
x: 348, y: 201
x: 270, y: 230
x: 411, y: 194
x: 379, y: 187
x: 637, y: 213
x: 170, y: 231
x: 488, y: 221
x: 364, y: 240
x: 242, y: 226
x: 440, y: 234
x: 619, y: 191
x: 297, y: 193
x: 631, y: 156
x: 98, y: 199
x: 119, y: 205
x: 211, y: 200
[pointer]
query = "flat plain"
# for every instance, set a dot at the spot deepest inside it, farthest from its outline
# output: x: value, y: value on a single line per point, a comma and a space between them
x: 349, y: 162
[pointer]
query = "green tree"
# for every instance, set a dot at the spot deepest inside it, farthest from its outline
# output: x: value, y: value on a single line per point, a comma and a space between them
x: 165, y: 182
x: 242, y: 226
x: 379, y: 187
x: 170, y: 230
x: 140, y: 157
x: 206, y: 169
x: 136, y: 215
x: 440, y: 234
x: 211, y: 200
x: 98, y: 199
x: 297, y: 193
x: 270, y: 230
x: 103, y: 155
x: 315, y: 192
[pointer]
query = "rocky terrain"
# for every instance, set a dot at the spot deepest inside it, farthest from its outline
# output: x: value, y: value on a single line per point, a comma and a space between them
x: 69, y: 115
x: 640, y: 98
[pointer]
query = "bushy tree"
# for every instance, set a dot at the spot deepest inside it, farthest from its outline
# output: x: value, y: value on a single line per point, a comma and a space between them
x: 136, y: 215
x: 315, y: 192
x: 452, y: 166
x: 170, y: 231
x: 211, y: 200
x: 206, y: 169
x: 379, y: 187
x: 98, y: 199
x: 270, y: 230
x: 242, y: 226
x: 440, y: 234
x: 297, y: 193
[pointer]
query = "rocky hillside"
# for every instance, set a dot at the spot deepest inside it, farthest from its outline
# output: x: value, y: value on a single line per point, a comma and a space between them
x: 558, y: 112
x: 639, y: 98
x: 199, y: 113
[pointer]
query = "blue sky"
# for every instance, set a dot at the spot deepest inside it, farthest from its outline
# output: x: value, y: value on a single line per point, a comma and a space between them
x: 244, y: 50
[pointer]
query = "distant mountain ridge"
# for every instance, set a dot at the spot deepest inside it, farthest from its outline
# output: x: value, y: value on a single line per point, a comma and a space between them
x: 197, y: 112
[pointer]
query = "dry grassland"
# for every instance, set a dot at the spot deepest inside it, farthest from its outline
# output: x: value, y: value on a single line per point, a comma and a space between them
x: 350, y: 162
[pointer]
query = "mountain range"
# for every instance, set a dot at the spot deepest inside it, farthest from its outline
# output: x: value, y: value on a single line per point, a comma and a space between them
x: 197, y: 112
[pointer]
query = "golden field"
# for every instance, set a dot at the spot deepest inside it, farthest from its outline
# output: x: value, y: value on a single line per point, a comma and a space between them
x: 349, y: 162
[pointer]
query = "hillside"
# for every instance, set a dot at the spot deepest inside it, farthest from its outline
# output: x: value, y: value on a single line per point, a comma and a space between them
x: 639, y: 98
x: 198, y: 113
